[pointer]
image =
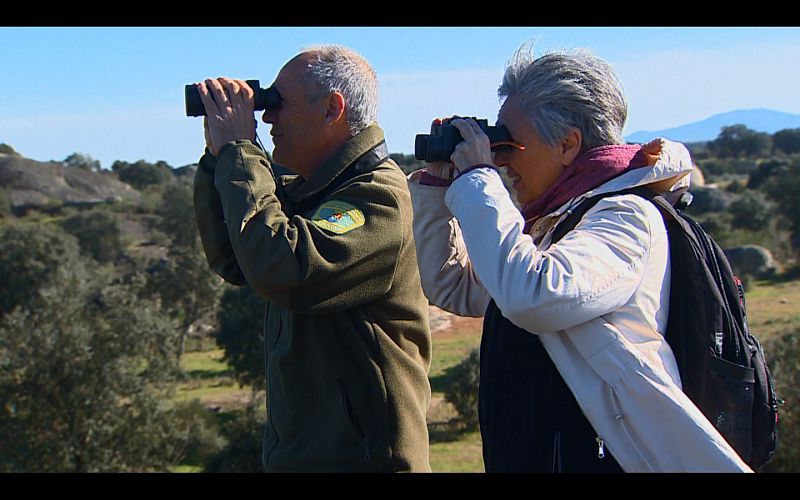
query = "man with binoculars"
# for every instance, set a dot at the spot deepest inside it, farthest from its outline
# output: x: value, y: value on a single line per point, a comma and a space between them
x: 331, y: 249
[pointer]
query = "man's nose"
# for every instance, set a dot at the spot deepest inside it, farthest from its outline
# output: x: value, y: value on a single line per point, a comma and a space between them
x: 269, y: 116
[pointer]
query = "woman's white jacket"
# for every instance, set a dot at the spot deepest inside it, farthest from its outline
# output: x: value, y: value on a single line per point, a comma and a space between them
x: 598, y: 299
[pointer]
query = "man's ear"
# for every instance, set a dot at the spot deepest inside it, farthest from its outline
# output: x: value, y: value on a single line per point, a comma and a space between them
x: 571, y: 146
x: 335, y: 110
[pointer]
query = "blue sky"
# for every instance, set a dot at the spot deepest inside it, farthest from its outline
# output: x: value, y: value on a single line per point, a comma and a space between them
x: 117, y: 93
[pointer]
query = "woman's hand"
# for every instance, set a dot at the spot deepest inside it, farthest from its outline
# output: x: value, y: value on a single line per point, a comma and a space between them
x: 475, y: 149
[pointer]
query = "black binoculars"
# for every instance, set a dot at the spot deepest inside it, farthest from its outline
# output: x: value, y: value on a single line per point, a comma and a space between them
x: 267, y: 98
x: 442, y: 141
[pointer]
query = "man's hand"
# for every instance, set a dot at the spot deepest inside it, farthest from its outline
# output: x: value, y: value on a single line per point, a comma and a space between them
x: 475, y: 149
x: 229, y: 115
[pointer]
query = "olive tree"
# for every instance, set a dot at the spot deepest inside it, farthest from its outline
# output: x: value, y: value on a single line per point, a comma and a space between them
x: 87, y: 366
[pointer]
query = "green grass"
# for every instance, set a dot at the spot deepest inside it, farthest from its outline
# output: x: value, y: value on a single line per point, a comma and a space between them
x: 187, y: 468
x: 451, y: 350
x: 451, y: 449
x: 773, y: 307
x: 204, y: 393
x: 451, y: 346
x: 208, y: 378
x: 206, y: 363
x: 463, y: 455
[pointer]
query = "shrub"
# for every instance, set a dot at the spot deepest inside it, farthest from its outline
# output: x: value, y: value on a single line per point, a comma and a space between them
x: 241, y: 326
x: 7, y: 149
x: 736, y: 187
x: 82, y: 161
x: 98, y: 234
x: 243, y: 431
x: 751, y: 211
x: 787, y: 140
x: 765, y: 171
x: 176, y: 211
x: 783, y: 356
x: 186, y: 288
x: 5, y: 204
x: 86, y: 380
x: 200, y: 429
x: 407, y: 163
x: 713, y: 168
x: 462, y: 388
x: 32, y: 256
x: 142, y: 174
x: 738, y: 140
x: 783, y: 191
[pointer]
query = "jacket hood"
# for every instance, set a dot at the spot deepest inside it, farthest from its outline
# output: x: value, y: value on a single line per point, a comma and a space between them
x: 669, y: 171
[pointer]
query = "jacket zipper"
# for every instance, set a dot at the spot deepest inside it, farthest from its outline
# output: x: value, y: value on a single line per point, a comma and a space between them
x: 269, y: 381
x: 557, y: 452
x: 601, y: 447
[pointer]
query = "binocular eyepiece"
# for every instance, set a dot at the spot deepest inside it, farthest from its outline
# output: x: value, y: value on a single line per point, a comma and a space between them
x: 267, y: 98
x: 443, y: 139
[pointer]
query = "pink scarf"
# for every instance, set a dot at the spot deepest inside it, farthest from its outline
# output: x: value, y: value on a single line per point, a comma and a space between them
x: 588, y: 171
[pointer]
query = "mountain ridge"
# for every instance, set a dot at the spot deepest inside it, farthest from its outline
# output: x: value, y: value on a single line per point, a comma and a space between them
x: 759, y: 119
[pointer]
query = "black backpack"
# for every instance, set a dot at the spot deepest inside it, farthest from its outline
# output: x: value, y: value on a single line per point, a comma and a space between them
x: 721, y: 364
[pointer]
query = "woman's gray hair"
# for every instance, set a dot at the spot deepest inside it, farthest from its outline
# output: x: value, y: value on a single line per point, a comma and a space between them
x: 336, y: 68
x: 563, y: 90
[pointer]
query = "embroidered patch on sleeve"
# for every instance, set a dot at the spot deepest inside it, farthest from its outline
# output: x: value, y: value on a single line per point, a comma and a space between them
x: 338, y: 217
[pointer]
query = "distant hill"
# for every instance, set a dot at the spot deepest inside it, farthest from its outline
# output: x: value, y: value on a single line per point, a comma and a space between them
x: 761, y: 120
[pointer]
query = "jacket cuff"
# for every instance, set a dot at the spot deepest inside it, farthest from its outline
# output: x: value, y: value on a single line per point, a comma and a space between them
x: 230, y: 144
x: 207, y: 162
x: 427, y: 179
x: 470, y: 169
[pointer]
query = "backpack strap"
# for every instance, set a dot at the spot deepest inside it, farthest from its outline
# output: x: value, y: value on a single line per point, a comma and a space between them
x: 698, y: 239
x: 700, y: 245
x: 722, y: 366
x: 576, y: 214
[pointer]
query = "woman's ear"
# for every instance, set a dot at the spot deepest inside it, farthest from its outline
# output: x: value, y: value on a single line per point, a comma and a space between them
x: 571, y: 146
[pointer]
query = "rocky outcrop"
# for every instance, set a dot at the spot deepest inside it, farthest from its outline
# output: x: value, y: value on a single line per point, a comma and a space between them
x: 698, y: 180
x: 187, y: 171
x: 751, y: 259
x: 707, y: 199
x: 31, y: 184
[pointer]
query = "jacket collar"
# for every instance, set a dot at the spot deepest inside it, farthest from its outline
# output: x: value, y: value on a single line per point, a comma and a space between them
x: 353, y: 150
x: 674, y: 161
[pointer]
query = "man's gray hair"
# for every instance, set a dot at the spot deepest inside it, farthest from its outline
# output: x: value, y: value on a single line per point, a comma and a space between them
x: 563, y: 90
x: 336, y: 68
